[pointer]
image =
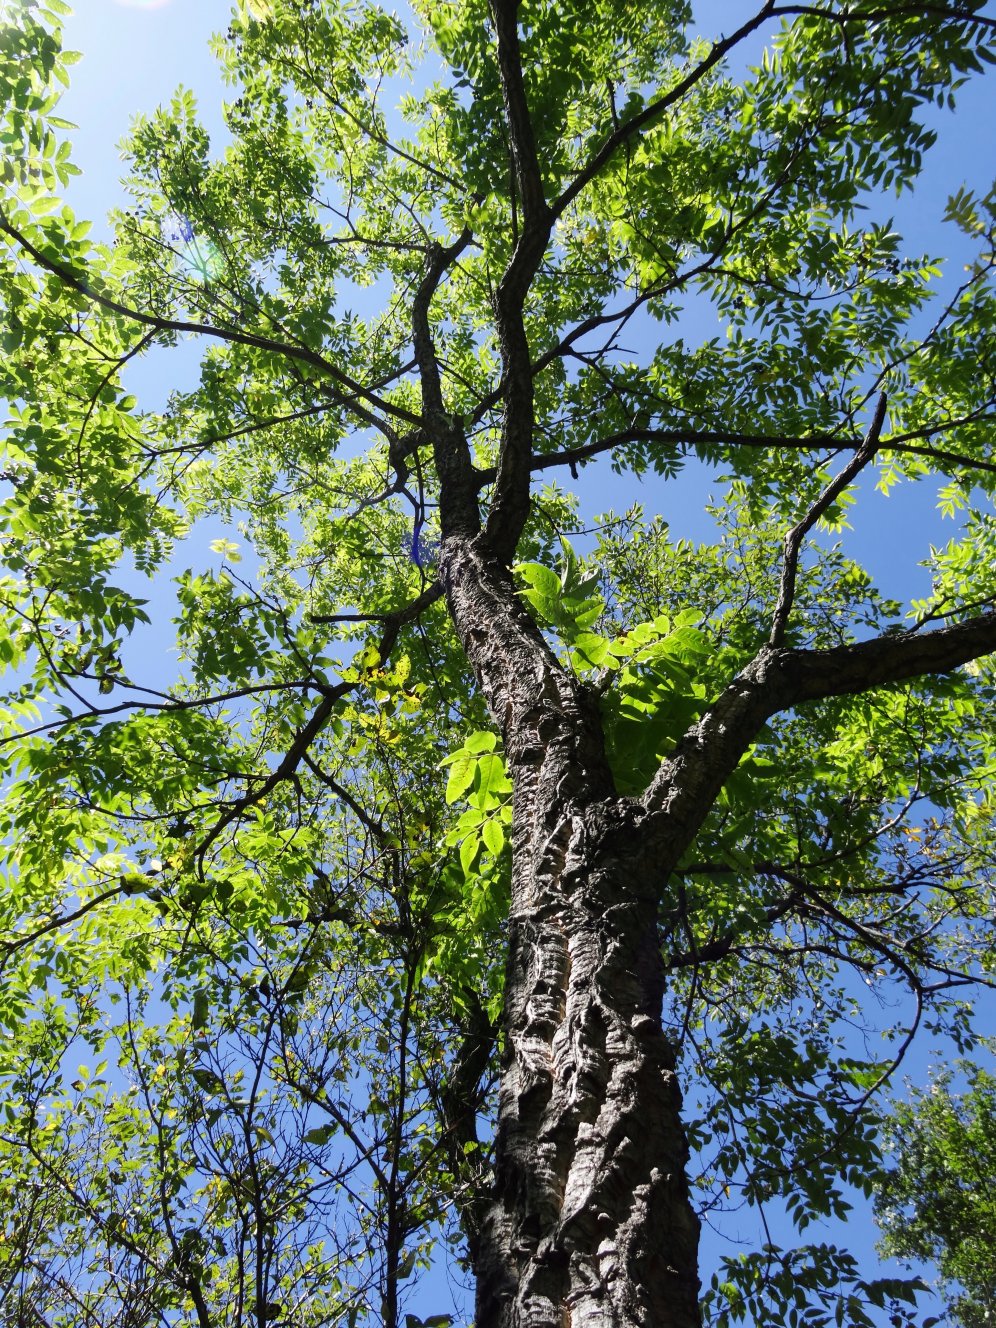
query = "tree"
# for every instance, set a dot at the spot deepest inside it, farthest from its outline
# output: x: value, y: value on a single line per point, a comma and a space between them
x: 453, y: 844
x: 936, y: 1202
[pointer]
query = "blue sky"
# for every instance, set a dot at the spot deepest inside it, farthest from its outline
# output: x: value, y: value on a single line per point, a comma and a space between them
x: 136, y: 53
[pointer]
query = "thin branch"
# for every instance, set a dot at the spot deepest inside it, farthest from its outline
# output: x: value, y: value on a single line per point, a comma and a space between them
x: 632, y: 127
x: 404, y: 615
x: 333, y: 400
x: 300, y: 747
x: 168, y: 706
x: 794, y: 538
x: 842, y: 17
x: 372, y: 823
x: 723, y: 946
x: 9, y: 947
x: 115, y: 368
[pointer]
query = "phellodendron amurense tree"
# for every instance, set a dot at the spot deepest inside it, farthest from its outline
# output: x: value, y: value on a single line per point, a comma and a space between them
x: 467, y: 817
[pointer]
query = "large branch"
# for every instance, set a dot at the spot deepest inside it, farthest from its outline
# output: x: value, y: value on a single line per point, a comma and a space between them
x: 459, y: 511
x: 510, y: 500
x: 528, y: 176
x: 689, y: 438
x: 571, y: 456
x: 689, y: 780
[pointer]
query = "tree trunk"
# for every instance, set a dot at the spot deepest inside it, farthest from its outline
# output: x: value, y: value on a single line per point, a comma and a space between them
x: 591, y: 1222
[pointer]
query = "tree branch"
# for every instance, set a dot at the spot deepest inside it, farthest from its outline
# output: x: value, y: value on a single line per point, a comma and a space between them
x: 630, y: 128
x: 19, y: 941
x: 510, y: 501
x: 459, y: 1103
x: 688, y: 781
x: 723, y: 946
x: 959, y: 13
x: 298, y: 750
x: 794, y: 538
x: 505, y: 14
x: 458, y: 506
x: 569, y: 456
x: 302, y: 353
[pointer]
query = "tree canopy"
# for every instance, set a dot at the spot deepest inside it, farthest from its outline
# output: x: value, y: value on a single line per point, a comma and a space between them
x: 936, y: 1201
x: 375, y: 878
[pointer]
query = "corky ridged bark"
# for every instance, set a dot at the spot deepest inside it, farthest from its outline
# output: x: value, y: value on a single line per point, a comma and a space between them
x: 591, y: 1222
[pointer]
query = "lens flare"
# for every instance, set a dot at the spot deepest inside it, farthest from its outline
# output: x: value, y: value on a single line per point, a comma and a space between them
x: 201, y: 258
x: 204, y: 260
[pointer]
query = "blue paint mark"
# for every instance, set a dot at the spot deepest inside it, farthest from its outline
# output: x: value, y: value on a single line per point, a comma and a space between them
x: 422, y: 552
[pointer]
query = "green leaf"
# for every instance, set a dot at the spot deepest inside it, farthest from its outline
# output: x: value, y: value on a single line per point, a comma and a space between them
x: 462, y: 774
x: 320, y: 1135
x: 493, y: 836
x: 469, y: 849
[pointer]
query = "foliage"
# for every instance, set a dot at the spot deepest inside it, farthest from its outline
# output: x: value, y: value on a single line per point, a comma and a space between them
x: 936, y: 1202
x: 259, y: 902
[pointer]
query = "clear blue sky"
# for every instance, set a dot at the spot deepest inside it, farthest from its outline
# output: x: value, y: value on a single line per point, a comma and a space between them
x: 137, y: 51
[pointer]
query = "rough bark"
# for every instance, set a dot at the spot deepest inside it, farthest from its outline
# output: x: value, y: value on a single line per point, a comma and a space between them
x: 591, y: 1221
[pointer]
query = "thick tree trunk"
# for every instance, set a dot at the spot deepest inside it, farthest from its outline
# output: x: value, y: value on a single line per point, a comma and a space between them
x: 591, y: 1222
